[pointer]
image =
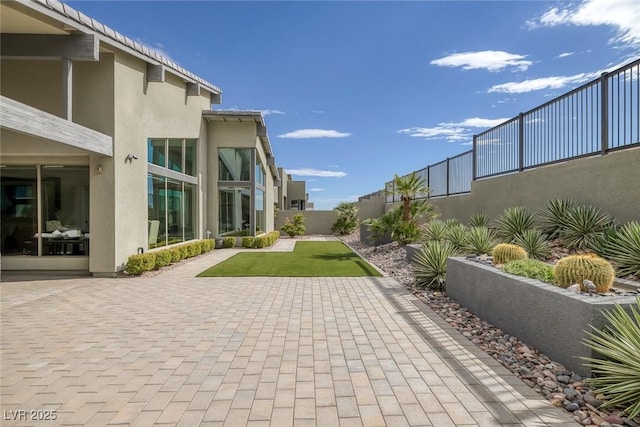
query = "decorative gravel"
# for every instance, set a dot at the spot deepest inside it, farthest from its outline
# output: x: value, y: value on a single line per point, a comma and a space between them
x: 563, y: 388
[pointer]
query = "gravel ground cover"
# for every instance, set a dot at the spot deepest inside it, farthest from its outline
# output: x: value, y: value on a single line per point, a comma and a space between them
x: 562, y: 387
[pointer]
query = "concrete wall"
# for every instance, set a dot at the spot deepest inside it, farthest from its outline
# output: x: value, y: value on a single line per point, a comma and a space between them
x: 610, y: 182
x: 296, y: 190
x: 372, y: 207
x: 142, y: 110
x: 545, y: 316
x: 318, y: 222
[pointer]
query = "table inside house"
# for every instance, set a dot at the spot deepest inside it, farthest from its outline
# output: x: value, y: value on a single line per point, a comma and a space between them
x: 66, y: 246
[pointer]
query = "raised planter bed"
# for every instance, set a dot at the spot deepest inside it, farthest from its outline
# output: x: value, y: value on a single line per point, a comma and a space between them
x: 550, y: 318
x: 367, y: 237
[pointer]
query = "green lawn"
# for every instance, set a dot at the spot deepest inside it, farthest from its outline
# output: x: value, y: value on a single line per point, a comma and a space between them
x: 309, y: 259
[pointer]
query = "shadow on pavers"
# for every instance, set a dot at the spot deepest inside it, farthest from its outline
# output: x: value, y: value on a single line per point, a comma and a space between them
x: 8, y: 276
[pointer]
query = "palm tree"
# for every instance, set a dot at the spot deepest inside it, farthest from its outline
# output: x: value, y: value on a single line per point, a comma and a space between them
x: 408, y: 187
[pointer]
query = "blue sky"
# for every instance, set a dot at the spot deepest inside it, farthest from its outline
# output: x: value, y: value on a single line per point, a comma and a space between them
x: 354, y: 92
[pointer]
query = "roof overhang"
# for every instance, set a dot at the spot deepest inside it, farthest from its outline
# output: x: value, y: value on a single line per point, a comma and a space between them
x: 60, y: 18
x: 27, y: 120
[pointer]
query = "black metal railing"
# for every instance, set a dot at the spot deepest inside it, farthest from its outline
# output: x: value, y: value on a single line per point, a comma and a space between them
x: 595, y: 118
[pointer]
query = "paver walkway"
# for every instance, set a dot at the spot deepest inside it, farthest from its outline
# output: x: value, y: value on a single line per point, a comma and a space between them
x: 180, y: 350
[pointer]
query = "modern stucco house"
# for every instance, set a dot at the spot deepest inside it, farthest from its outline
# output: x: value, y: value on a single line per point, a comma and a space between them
x: 109, y: 148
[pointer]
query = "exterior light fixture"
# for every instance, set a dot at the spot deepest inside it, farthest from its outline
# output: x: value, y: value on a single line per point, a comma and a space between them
x: 130, y: 158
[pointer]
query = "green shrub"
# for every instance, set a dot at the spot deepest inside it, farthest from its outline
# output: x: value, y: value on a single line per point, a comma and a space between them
x: 505, y: 252
x: 584, y: 225
x: 478, y: 219
x: 577, y: 268
x: 247, y: 241
x: 347, y: 218
x: 138, y: 264
x: 513, y: 222
x: 617, y: 374
x: 208, y: 245
x: 228, y: 242
x: 261, y: 242
x: 406, y: 232
x: 431, y: 264
x: 163, y: 258
x: 531, y: 268
x: 176, y: 254
x: 535, y: 243
x: 296, y: 227
x: 194, y: 248
x: 480, y: 240
x: 186, y: 253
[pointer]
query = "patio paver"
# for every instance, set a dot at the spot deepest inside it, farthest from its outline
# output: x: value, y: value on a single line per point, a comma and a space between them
x: 179, y: 350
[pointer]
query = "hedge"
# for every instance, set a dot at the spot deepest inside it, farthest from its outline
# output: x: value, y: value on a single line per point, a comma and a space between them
x: 139, y: 263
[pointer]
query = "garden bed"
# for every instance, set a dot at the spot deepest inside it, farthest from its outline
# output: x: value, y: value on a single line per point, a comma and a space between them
x: 550, y: 318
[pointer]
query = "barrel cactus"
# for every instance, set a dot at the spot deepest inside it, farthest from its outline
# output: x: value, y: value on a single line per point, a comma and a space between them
x: 505, y: 252
x: 578, y: 268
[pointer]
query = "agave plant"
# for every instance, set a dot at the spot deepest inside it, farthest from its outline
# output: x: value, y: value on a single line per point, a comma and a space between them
x: 553, y: 217
x: 478, y: 219
x: 617, y: 375
x: 431, y: 264
x: 457, y: 236
x: 451, y: 222
x: 535, y: 243
x: 480, y: 240
x: 435, y: 230
x: 513, y: 222
x: 623, y: 248
x: 584, y: 225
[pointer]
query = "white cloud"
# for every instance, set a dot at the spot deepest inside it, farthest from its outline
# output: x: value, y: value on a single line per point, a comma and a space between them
x: 453, y: 132
x: 623, y: 15
x: 565, y: 54
x: 316, y: 189
x: 316, y: 172
x: 314, y: 133
x: 317, y: 111
x: 267, y: 112
x: 492, y: 60
x: 553, y: 82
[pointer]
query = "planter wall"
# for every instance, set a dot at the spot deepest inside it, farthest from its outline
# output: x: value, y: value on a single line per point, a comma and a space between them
x: 367, y: 237
x: 550, y: 318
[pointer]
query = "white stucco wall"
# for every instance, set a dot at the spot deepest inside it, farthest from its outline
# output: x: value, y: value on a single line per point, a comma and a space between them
x: 144, y: 110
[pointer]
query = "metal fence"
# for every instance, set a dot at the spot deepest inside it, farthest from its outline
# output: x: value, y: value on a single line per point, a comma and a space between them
x: 600, y: 116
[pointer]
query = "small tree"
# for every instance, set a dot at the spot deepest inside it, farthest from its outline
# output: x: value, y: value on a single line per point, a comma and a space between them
x: 408, y: 187
x: 295, y: 228
x: 347, y: 218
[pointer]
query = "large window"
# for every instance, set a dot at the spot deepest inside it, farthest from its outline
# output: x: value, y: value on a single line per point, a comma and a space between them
x: 178, y: 155
x: 172, y: 195
x: 59, y: 196
x: 234, y: 164
x: 235, y: 210
x: 241, y: 192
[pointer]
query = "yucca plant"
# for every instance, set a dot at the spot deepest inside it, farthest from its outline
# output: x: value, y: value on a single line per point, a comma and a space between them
x: 451, y: 222
x: 457, y: 236
x: 584, y: 225
x: 435, y: 230
x: 617, y: 375
x: 623, y: 248
x: 431, y: 264
x: 480, y: 240
x: 535, y: 243
x: 513, y: 222
x: 478, y: 219
x: 553, y: 217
